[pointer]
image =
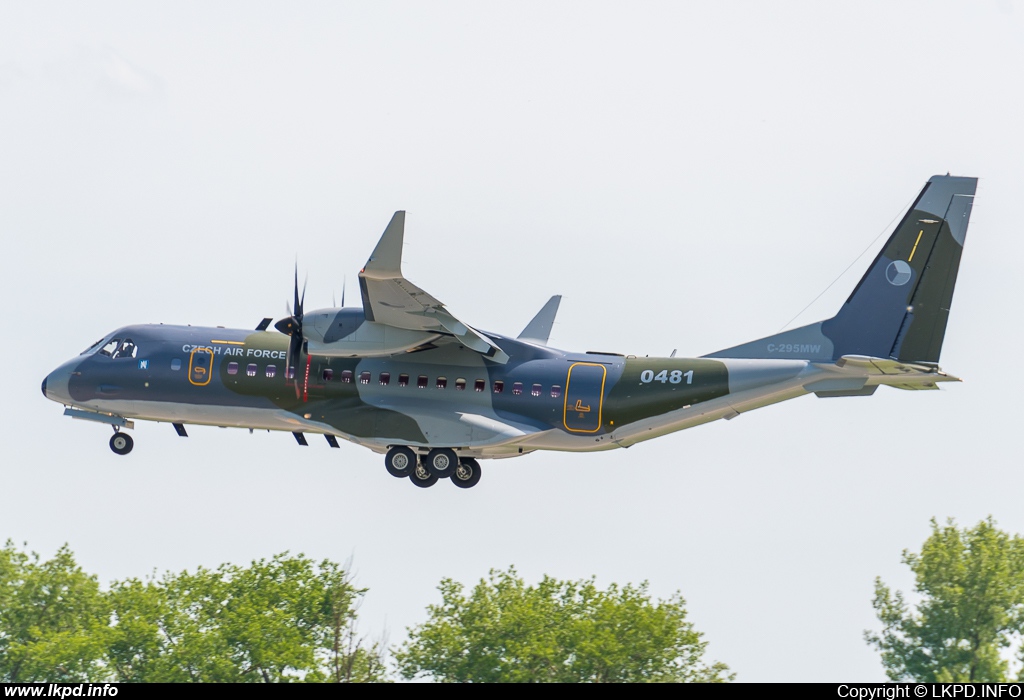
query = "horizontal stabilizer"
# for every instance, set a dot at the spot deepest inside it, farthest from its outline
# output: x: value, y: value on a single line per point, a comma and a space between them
x: 859, y: 373
x: 539, y: 329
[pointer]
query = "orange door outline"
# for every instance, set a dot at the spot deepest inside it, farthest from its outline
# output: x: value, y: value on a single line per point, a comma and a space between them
x: 204, y: 373
x: 579, y: 406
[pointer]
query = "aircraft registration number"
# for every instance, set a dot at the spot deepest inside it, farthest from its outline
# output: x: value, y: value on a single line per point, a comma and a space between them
x: 665, y: 377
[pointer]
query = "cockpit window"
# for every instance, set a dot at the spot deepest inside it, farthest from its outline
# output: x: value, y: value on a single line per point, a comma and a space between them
x: 127, y: 348
x: 110, y: 348
x: 93, y: 346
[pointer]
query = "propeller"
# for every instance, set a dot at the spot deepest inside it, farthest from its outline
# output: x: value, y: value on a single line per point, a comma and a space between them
x: 292, y: 325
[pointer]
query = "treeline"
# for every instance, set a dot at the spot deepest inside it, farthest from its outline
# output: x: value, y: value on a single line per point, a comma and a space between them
x: 290, y: 619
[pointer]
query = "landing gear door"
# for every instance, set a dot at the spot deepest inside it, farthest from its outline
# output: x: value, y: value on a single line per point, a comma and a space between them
x: 200, y: 366
x: 584, y: 396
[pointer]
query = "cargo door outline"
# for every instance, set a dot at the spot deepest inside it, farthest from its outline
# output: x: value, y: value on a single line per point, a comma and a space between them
x: 584, y: 400
x: 200, y: 366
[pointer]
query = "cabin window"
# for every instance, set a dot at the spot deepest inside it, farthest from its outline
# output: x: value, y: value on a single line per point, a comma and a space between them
x: 175, y: 364
x: 271, y: 371
x: 385, y: 378
x: 250, y: 370
x: 421, y: 381
x: 346, y: 376
x: 535, y: 390
x: 290, y: 373
x: 442, y: 382
x: 499, y: 386
x: 480, y: 385
x: 517, y: 388
x: 556, y: 391
x: 328, y: 375
x: 364, y: 377
x: 403, y: 380
x: 460, y: 384
x: 232, y: 368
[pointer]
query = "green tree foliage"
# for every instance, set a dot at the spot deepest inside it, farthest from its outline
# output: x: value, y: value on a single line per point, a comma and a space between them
x: 53, y: 619
x: 556, y: 631
x: 971, y: 583
x: 278, y: 620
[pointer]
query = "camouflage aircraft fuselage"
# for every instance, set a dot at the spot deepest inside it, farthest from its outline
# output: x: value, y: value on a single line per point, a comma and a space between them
x: 402, y: 372
x: 541, y: 398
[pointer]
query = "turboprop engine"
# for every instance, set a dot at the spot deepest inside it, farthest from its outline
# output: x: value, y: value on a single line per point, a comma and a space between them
x: 343, y: 332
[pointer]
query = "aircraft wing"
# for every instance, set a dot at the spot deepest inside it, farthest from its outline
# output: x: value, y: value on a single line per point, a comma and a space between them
x: 390, y: 299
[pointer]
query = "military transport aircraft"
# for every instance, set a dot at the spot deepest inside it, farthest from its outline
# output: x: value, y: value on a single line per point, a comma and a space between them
x: 405, y: 378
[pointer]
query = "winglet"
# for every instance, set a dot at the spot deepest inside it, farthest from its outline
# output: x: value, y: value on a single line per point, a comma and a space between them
x: 539, y: 329
x: 386, y: 260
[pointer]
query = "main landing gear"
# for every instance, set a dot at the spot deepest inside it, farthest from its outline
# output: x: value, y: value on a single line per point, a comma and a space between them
x: 440, y: 463
x: 121, y: 443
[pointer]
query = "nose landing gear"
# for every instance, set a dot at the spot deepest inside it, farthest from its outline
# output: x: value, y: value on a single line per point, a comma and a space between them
x: 121, y: 443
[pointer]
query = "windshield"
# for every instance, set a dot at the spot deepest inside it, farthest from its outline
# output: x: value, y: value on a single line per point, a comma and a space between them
x: 93, y: 346
x: 118, y: 348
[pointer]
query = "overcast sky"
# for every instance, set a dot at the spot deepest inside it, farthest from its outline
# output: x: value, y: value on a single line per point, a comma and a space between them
x: 687, y: 175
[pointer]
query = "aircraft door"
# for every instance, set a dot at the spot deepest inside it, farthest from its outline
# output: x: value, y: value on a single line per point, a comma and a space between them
x: 584, y: 397
x: 200, y: 366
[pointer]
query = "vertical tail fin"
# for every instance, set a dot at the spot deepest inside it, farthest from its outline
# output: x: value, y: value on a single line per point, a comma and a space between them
x: 900, y: 307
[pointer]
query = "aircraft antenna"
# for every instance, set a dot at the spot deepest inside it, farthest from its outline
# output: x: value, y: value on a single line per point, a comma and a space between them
x: 853, y: 262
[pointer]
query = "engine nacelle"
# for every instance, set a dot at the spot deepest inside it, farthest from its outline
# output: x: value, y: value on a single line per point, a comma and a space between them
x: 347, y: 333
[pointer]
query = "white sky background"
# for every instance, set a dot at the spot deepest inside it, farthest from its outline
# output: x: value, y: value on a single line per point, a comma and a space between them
x: 688, y: 175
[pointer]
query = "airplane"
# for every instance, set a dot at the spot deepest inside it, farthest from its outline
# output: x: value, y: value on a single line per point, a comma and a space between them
x: 405, y: 378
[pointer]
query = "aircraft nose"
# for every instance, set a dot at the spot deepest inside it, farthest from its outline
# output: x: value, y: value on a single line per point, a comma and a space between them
x: 55, y: 386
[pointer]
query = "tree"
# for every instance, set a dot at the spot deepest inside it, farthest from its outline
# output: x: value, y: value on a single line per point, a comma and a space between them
x: 971, y: 583
x: 53, y: 619
x: 282, y: 620
x: 556, y: 631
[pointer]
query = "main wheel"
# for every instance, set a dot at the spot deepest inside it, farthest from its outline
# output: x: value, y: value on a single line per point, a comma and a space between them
x: 422, y: 477
x: 442, y: 462
x: 467, y: 474
x: 400, y: 461
x: 121, y: 443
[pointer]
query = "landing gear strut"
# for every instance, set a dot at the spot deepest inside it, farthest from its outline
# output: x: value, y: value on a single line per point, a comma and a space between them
x: 121, y: 443
x: 422, y: 477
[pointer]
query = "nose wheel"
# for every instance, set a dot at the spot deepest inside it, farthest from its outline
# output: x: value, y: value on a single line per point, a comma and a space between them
x: 121, y: 443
